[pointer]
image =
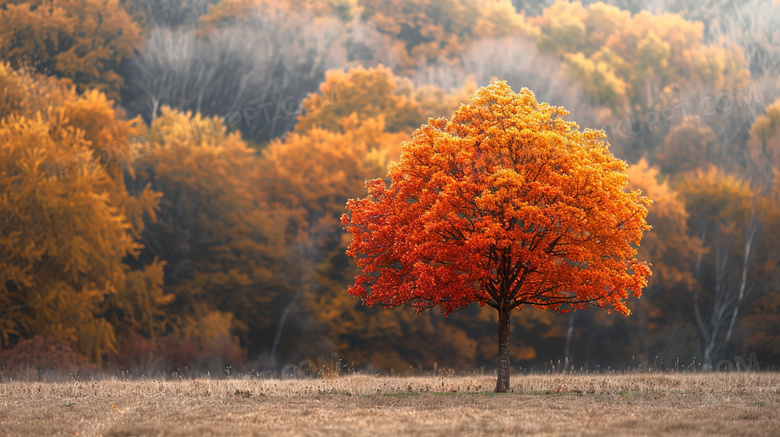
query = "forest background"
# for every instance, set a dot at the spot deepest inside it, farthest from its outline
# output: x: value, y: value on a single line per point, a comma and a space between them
x: 172, y: 174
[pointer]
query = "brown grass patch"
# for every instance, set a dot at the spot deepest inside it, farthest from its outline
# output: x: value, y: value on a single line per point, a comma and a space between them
x: 635, y: 404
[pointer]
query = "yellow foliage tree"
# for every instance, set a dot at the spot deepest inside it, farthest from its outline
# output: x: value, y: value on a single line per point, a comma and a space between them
x: 688, y: 147
x: 214, y: 229
x: 369, y: 93
x: 635, y: 62
x: 67, y: 231
x: 366, y: 93
x: 433, y: 31
x: 312, y: 173
x: 764, y: 143
x: 230, y: 12
x: 83, y: 40
x: 762, y: 321
x: 62, y: 243
x: 671, y: 248
x: 668, y: 243
x: 725, y: 216
x: 65, y: 251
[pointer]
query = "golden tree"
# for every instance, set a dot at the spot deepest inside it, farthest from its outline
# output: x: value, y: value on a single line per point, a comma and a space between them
x: 311, y: 174
x: 62, y: 244
x: 432, y: 31
x: 764, y: 143
x: 370, y: 93
x: 232, y: 12
x: 506, y: 205
x: 214, y: 229
x: 687, y: 148
x: 365, y: 92
x: 726, y: 218
x: 65, y: 157
x: 762, y: 321
x: 671, y: 248
x: 336, y: 146
x: 83, y: 40
x: 635, y: 62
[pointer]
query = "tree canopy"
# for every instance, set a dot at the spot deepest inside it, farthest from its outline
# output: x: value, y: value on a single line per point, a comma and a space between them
x: 505, y: 204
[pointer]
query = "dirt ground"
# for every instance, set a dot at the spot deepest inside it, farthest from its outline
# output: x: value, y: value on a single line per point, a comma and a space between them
x: 736, y: 403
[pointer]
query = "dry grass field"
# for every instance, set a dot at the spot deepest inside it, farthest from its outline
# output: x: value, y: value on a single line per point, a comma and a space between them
x: 571, y: 404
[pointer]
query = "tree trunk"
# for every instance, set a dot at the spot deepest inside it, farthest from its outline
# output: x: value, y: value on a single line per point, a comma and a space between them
x: 569, y: 335
x: 502, y: 385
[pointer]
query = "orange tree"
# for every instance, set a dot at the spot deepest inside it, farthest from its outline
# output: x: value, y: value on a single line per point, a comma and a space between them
x: 82, y: 40
x: 506, y: 204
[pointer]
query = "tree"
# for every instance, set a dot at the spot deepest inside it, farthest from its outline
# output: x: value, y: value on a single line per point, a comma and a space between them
x: 62, y: 244
x: 764, y: 143
x: 312, y: 174
x: 725, y: 217
x: 634, y: 63
x: 369, y: 93
x: 688, y: 147
x: 761, y: 322
x: 68, y: 224
x: 83, y: 40
x: 213, y: 229
x: 431, y: 31
x: 505, y: 205
x: 256, y: 68
x: 657, y: 316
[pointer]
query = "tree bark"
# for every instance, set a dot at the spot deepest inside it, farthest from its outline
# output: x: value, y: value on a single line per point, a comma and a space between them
x: 502, y: 385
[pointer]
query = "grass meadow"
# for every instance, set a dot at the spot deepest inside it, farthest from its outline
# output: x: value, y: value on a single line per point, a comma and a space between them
x: 681, y: 403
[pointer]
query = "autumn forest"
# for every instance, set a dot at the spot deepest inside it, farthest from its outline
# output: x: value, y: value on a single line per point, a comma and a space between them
x: 175, y: 174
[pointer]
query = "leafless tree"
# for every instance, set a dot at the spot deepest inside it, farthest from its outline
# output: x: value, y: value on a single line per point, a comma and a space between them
x: 754, y: 25
x: 717, y: 312
x: 516, y: 60
x: 368, y: 47
x: 532, y: 7
x: 174, y: 13
x: 267, y: 62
